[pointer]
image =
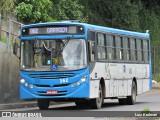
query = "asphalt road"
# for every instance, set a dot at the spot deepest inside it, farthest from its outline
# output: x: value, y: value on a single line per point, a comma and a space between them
x: 149, y: 100
x: 146, y: 101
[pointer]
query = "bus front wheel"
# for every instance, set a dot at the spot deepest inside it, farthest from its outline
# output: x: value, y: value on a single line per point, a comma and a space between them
x: 82, y: 103
x: 43, y: 104
x: 97, y: 102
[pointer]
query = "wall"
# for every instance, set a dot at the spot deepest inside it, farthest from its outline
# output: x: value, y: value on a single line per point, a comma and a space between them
x: 9, y: 75
x: 9, y: 63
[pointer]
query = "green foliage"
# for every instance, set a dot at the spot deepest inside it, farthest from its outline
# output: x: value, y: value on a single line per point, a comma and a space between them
x: 69, y: 10
x: 31, y: 11
x: 154, y: 77
x: 119, y: 14
x: 124, y: 18
x: 158, y: 78
x: 3, y: 39
x: 7, y: 5
x: 137, y: 15
x: 146, y: 110
x: 150, y: 21
x: 24, y: 11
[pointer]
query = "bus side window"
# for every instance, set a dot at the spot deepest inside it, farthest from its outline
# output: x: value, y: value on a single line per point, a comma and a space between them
x: 142, y: 50
x: 132, y: 49
x: 101, y: 47
x: 146, y: 51
x: 113, y: 47
x: 139, y: 50
x: 92, y: 47
x: 109, y: 46
x: 119, y: 49
x: 124, y: 39
x: 122, y: 49
x: 135, y: 43
x: 91, y: 36
x: 127, y: 55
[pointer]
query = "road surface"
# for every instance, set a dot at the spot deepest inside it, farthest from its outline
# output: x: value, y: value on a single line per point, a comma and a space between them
x: 149, y: 101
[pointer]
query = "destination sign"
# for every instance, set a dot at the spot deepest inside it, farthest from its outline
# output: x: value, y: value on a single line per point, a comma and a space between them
x: 52, y: 30
x: 49, y: 30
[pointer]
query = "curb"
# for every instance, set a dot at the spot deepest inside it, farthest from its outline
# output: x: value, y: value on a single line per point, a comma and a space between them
x: 18, y: 105
x: 26, y: 104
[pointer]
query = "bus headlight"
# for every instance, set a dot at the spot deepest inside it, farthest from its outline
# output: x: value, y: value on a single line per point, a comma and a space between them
x: 31, y: 86
x: 26, y: 84
x: 72, y: 85
x: 84, y: 79
x: 78, y: 83
x: 22, y: 81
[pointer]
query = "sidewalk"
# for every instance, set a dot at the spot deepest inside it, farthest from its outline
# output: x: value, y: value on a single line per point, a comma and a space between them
x: 28, y: 104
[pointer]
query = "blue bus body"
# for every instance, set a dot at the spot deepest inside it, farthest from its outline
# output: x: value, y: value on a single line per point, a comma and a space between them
x: 71, y: 86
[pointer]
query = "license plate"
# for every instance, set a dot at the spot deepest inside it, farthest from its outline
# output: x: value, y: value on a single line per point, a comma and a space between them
x: 51, y: 92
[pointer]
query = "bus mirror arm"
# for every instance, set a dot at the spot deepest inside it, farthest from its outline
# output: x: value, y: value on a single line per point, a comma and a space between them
x: 16, y: 50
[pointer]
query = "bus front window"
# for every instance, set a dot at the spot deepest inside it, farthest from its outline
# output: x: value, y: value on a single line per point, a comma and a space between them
x: 53, y: 55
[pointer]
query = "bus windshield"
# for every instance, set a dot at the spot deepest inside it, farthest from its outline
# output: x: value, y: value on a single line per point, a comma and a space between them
x: 53, y: 55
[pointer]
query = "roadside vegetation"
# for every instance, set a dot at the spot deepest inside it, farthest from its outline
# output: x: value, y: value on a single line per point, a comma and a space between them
x: 134, y: 15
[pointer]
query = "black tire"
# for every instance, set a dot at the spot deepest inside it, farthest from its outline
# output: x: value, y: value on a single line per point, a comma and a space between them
x: 132, y: 99
x: 78, y: 104
x: 122, y: 101
x: 84, y: 103
x: 43, y: 104
x: 97, y: 102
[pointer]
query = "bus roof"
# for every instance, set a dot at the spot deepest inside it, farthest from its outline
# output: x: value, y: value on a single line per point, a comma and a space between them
x: 94, y: 27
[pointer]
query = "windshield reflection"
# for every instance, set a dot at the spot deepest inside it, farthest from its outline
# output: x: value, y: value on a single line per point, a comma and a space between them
x: 53, y: 55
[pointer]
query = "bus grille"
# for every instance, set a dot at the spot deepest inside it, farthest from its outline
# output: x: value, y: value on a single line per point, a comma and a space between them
x: 51, y: 75
x: 59, y: 85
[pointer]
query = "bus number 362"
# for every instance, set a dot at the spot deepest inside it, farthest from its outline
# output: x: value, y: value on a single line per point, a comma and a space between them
x: 65, y: 80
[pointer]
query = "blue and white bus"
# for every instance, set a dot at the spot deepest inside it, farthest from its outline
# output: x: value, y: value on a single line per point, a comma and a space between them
x: 83, y: 63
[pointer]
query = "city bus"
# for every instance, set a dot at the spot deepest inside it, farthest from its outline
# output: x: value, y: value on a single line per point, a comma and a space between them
x: 83, y: 63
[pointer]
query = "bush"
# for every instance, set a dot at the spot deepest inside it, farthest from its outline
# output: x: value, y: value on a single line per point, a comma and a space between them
x: 4, y: 40
x: 158, y: 80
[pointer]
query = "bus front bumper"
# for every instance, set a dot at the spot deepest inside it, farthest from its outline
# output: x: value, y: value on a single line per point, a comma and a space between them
x: 81, y: 91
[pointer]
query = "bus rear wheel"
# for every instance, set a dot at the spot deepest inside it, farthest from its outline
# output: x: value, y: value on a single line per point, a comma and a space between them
x: 43, y: 104
x: 122, y: 101
x: 132, y: 99
x: 97, y: 102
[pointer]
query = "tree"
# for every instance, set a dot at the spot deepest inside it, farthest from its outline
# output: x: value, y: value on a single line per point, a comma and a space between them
x: 7, y: 5
x: 119, y: 14
x: 31, y: 11
x: 68, y: 10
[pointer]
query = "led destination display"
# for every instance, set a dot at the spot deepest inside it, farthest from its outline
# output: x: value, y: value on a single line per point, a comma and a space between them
x: 49, y: 30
